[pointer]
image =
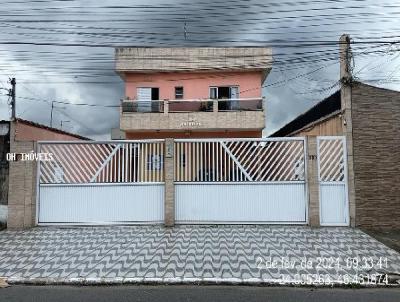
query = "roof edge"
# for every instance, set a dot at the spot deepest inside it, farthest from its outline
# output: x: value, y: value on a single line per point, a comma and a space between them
x: 34, y: 124
x: 298, y: 117
x: 321, y: 120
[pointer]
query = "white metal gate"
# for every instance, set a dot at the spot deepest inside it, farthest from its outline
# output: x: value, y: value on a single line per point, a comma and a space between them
x: 332, y: 176
x: 101, y: 182
x: 240, y: 181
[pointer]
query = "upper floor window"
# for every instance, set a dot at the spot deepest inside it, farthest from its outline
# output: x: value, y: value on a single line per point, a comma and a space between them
x: 227, y: 95
x: 179, y: 93
x: 224, y: 92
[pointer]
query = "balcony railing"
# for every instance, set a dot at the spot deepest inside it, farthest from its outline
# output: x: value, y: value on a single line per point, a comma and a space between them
x: 197, y: 105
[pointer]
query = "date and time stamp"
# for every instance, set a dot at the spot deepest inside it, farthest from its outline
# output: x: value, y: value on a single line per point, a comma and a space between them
x: 348, y: 270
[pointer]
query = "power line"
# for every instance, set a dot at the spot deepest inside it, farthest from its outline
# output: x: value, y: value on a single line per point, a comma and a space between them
x: 294, y: 44
x: 69, y: 103
x: 47, y: 101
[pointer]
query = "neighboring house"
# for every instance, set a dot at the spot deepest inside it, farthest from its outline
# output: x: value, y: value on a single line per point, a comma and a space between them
x: 21, y: 137
x: 322, y: 119
x: 375, y: 137
x: 193, y: 92
x: 30, y: 131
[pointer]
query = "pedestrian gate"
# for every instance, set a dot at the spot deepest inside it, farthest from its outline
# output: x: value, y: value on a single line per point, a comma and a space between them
x: 332, y: 176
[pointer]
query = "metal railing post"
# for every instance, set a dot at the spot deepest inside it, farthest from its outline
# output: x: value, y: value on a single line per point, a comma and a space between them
x: 215, y: 105
x: 166, y: 106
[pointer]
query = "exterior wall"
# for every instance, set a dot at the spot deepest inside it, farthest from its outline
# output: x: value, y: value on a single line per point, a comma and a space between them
x: 192, y: 134
x: 169, y: 190
x: 312, y: 182
x: 22, y: 176
x: 376, y: 144
x: 204, y: 121
x: 195, y: 85
x: 22, y: 189
x: 4, y: 172
x: 329, y: 127
x: 166, y: 59
x: 4, y: 165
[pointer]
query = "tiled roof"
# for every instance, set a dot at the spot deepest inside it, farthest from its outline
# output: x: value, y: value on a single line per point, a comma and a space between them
x: 37, y: 125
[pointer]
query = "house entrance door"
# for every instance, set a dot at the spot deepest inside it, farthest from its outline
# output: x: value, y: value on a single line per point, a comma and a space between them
x: 144, y: 99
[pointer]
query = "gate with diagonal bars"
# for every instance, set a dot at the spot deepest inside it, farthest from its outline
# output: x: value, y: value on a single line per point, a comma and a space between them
x: 234, y: 181
x: 241, y: 181
x: 108, y: 182
x: 332, y: 177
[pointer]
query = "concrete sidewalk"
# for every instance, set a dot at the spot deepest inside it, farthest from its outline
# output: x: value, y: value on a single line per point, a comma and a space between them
x: 194, y: 254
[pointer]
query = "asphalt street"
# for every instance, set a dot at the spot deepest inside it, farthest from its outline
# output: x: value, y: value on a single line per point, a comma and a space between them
x: 23, y: 293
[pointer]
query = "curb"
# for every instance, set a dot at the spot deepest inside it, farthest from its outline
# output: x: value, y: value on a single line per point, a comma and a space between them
x: 181, y: 281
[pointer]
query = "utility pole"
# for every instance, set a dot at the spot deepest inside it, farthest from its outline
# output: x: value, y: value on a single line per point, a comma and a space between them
x: 346, y: 108
x: 12, y: 95
x: 345, y: 59
x: 345, y: 77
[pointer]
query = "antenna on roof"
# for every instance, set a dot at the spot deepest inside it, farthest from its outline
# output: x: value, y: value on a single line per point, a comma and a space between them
x: 184, y: 30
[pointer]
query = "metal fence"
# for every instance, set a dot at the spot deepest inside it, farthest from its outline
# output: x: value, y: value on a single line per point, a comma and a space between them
x: 240, y: 160
x: 240, y: 181
x: 331, y: 159
x: 102, y: 162
x: 244, y: 180
x: 332, y: 176
x: 109, y: 182
x: 192, y: 105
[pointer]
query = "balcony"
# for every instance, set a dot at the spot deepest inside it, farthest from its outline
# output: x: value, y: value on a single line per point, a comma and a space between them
x: 200, y: 114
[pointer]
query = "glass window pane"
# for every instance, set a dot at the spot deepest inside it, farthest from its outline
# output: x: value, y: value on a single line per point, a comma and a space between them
x: 178, y: 93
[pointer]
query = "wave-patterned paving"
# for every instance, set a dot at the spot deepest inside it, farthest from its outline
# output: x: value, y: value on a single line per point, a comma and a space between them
x: 190, y: 254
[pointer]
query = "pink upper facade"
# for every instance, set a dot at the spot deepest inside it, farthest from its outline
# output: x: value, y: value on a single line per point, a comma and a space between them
x: 195, y: 69
x: 195, y: 85
x: 192, y: 91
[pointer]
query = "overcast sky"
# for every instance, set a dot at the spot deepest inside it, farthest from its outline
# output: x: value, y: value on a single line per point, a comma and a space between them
x: 63, y: 50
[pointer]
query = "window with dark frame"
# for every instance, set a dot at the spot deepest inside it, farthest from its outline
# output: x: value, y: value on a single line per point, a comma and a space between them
x: 227, y: 96
x: 178, y: 92
x: 224, y: 92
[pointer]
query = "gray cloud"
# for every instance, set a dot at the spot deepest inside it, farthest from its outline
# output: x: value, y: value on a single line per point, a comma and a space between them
x: 62, y: 73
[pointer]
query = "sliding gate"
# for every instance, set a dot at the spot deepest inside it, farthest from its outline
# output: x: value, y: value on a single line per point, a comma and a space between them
x: 101, y: 182
x: 240, y: 181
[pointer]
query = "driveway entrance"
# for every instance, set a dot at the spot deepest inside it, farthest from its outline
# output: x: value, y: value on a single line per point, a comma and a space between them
x: 185, y: 254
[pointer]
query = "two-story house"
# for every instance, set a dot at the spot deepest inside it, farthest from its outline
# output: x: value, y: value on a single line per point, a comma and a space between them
x: 196, y: 92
